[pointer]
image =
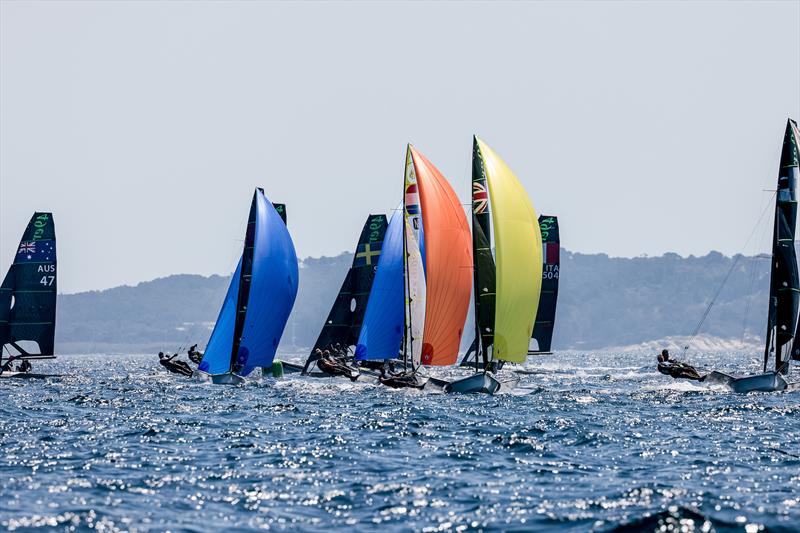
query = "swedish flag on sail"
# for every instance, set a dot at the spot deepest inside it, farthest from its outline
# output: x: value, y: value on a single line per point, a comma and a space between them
x: 367, y: 254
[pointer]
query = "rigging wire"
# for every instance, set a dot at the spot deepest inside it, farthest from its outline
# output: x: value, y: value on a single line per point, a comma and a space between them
x: 727, y: 276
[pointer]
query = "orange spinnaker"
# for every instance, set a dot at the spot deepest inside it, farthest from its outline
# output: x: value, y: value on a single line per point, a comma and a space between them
x: 448, y: 264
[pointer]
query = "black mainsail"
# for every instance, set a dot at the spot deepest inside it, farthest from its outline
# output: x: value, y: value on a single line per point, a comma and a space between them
x: 484, y: 269
x: 343, y: 324
x: 784, y: 286
x: 546, y: 315
x: 28, y: 292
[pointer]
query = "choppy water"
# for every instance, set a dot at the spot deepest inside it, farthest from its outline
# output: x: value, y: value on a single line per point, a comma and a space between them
x: 596, y: 442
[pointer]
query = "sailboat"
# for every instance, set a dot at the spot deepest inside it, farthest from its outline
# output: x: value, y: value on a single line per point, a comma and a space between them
x: 343, y: 324
x: 258, y: 301
x: 782, y: 342
x: 420, y: 296
x: 28, y: 298
x: 548, y: 296
x: 508, y: 283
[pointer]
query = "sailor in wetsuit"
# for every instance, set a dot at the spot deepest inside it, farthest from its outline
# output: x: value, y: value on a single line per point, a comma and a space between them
x: 176, y: 367
x: 7, y: 365
x: 24, y: 366
x: 676, y: 369
x: 194, y: 356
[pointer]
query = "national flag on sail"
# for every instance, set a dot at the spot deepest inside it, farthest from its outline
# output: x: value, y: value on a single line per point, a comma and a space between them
x: 550, y: 253
x: 412, y: 199
x: 480, y: 197
x: 38, y: 251
x: 367, y: 254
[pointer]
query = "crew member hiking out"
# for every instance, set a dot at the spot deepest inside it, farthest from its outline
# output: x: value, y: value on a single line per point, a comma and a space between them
x: 176, y: 367
x: 677, y: 369
x: 195, y: 356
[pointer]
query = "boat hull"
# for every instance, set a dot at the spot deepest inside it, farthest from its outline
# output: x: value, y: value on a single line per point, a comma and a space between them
x: 291, y: 368
x: 226, y: 379
x: 767, y: 382
x: 27, y: 375
x: 482, y: 382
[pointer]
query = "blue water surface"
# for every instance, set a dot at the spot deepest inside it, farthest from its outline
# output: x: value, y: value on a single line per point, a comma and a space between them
x: 593, y: 442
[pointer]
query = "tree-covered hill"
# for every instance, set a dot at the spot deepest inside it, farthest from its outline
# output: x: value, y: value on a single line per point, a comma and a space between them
x: 603, y: 301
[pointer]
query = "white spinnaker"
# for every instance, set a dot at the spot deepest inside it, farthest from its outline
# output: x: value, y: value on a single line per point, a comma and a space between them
x: 415, y: 296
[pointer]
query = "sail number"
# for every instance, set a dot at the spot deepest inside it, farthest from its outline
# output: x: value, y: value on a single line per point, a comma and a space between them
x: 47, y: 281
x: 40, y: 223
x: 545, y: 225
x: 375, y: 226
x: 550, y: 272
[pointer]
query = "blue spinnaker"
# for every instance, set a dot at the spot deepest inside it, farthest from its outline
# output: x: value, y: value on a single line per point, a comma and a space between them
x: 272, y: 291
x: 382, y: 329
x: 217, y: 357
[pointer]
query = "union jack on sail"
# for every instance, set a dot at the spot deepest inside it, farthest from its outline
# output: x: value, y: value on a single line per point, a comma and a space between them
x: 480, y: 197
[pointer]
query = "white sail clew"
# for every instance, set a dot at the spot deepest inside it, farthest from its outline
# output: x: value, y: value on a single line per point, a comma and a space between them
x: 415, y: 296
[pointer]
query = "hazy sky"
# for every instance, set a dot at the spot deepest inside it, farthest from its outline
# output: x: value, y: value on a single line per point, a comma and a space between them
x: 144, y: 127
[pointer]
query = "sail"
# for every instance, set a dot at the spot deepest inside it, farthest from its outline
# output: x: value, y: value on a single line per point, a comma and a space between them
x: 281, y: 209
x: 217, y: 355
x: 343, y: 324
x: 273, y: 288
x: 28, y: 292
x: 546, y: 315
x: 382, y: 329
x: 259, y: 298
x: 518, y: 257
x: 784, y: 284
x: 415, y: 267
x: 415, y: 296
x: 448, y: 264
x: 484, y: 272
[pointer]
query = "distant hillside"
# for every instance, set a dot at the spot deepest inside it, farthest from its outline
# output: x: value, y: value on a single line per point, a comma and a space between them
x: 603, y: 301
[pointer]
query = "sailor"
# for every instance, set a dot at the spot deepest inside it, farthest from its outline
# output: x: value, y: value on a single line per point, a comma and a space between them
x: 24, y: 366
x: 194, y: 356
x: 176, y: 367
x: 7, y: 365
x: 677, y: 369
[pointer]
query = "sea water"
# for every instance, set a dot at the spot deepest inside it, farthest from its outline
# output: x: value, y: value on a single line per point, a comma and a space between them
x: 591, y: 442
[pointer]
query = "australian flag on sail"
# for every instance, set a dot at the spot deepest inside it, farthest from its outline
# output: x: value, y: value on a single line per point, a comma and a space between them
x: 367, y: 254
x: 36, y: 251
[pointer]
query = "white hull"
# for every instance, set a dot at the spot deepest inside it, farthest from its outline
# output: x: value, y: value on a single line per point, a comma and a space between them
x: 767, y: 382
x: 479, y: 382
x: 27, y: 375
x: 222, y: 379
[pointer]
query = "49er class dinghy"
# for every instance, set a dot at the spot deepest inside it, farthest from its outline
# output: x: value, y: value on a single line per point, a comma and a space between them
x: 420, y: 296
x: 28, y: 299
x: 508, y: 284
x: 259, y: 299
x: 783, y: 337
x: 343, y: 324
